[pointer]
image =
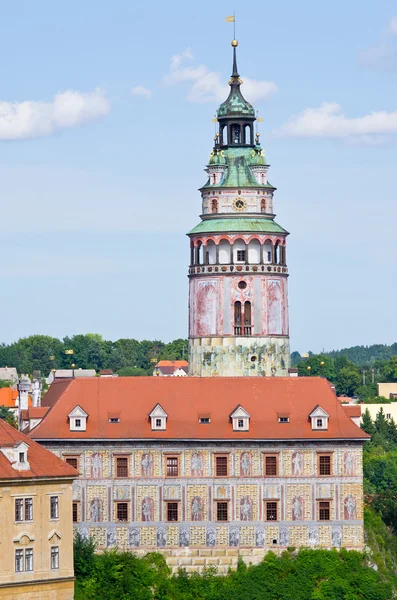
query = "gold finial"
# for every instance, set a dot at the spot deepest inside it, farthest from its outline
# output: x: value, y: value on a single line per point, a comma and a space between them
x: 234, y: 43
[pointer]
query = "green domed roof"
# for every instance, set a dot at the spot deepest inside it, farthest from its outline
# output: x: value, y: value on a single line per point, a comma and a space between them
x: 235, y: 105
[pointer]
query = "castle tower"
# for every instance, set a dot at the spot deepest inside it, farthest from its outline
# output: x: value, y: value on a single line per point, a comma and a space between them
x: 238, y: 297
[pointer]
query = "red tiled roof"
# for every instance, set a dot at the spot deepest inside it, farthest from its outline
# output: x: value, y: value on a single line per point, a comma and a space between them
x: 352, y: 410
x: 55, y: 390
x: 9, y: 396
x: 35, y: 412
x: 43, y: 463
x: 172, y: 363
x: 185, y: 398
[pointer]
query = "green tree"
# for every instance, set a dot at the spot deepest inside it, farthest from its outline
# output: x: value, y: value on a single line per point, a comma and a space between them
x: 320, y: 366
x: 8, y: 416
x: 347, y: 380
x: 133, y: 372
x: 367, y: 424
x: 390, y: 369
x: 84, y: 556
x: 4, y: 383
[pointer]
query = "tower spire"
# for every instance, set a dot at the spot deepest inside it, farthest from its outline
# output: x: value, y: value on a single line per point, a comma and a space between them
x: 235, y: 76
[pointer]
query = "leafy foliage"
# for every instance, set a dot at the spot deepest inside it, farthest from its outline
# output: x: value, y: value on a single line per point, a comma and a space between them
x: 304, y: 575
x: 8, y: 416
x: 90, y: 351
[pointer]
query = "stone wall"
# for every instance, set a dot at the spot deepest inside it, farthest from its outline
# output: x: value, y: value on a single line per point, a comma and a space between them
x: 197, y: 536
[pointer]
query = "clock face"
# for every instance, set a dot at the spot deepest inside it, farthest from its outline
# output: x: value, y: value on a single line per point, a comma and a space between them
x: 239, y: 204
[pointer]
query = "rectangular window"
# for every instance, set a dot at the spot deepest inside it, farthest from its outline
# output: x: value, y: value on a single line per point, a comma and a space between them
x: 319, y: 422
x: 324, y: 511
x: 271, y: 511
x: 324, y: 463
x: 28, y: 509
x: 122, y: 466
x: 54, y: 507
x: 221, y: 466
x: 204, y: 420
x: 221, y: 511
x: 158, y: 423
x: 77, y: 423
x: 18, y: 561
x: 55, y: 557
x: 283, y: 419
x: 22, y: 457
x: 241, y: 255
x: 18, y: 509
x: 72, y: 461
x: 172, y: 466
x: 75, y: 512
x: 29, y: 559
x: 172, y: 511
x: 240, y: 423
x: 122, y: 511
x: 269, y: 256
x: 270, y: 466
x: 114, y: 420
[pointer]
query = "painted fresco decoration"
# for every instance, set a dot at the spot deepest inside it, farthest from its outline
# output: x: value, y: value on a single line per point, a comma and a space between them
x: 246, y: 508
x: 96, y: 514
x: 337, y: 537
x: 122, y: 492
x: 313, y: 536
x: 147, y: 464
x: 197, y: 464
x: 161, y: 537
x: 349, y: 464
x: 234, y: 536
x: 111, y: 537
x: 147, y: 509
x: 349, y: 508
x: 133, y: 537
x: 297, y: 509
x: 284, y: 537
x: 260, y: 537
x: 184, y: 537
x: 84, y: 532
x: 222, y: 491
x: 210, y: 537
x: 197, y: 509
x: 172, y: 492
x: 246, y: 464
x: 97, y: 465
x: 297, y: 464
x: 324, y: 490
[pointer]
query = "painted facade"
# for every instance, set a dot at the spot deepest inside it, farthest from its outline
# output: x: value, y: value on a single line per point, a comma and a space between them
x: 238, y: 295
x: 197, y: 538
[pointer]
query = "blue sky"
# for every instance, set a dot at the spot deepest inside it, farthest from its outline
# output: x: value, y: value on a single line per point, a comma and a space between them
x: 105, y: 129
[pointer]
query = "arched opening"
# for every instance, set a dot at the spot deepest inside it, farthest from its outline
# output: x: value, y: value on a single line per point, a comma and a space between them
x: 214, y: 205
x: 254, y: 252
x: 263, y: 205
x: 200, y: 257
x: 213, y: 178
x: 224, y: 135
x: 247, y: 318
x: 191, y: 254
x: 210, y: 253
x: 236, y: 134
x: 237, y: 318
x: 224, y: 252
x: 239, y: 251
x: 247, y: 134
x: 267, y: 252
x: 276, y: 253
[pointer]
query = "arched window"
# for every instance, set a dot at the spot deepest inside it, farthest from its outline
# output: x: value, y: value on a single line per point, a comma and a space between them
x: 263, y: 205
x: 214, y: 205
x: 247, y: 318
x: 248, y: 134
x: 237, y: 318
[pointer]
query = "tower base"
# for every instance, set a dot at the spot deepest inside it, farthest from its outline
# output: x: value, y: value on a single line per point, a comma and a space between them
x: 239, y: 357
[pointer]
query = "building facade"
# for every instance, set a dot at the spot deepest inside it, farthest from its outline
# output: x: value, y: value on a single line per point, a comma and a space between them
x: 238, y: 294
x: 205, y: 470
x: 36, y: 542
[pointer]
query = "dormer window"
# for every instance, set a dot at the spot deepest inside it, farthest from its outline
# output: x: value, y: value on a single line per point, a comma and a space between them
x: 78, y: 419
x: 240, y: 419
x: 17, y: 456
x: 158, y: 418
x: 283, y: 419
x: 319, y: 419
x: 114, y: 420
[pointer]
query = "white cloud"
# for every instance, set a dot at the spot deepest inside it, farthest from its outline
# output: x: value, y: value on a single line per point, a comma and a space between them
x: 209, y: 86
x: 140, y: 90
x: 22, y: 120
x: 328, y: 120
x: 383, y: 54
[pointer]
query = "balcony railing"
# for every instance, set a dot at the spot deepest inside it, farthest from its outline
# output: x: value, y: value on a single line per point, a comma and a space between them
x: 267, y: 268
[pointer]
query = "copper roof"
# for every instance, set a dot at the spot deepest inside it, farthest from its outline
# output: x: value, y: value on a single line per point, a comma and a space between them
x: 185, y: 398
x: 43, y: 463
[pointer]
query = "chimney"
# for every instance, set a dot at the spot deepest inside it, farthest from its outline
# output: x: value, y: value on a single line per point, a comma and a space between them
x: 293, y: 372
x: 36, y: 389
x: 23, y: 387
